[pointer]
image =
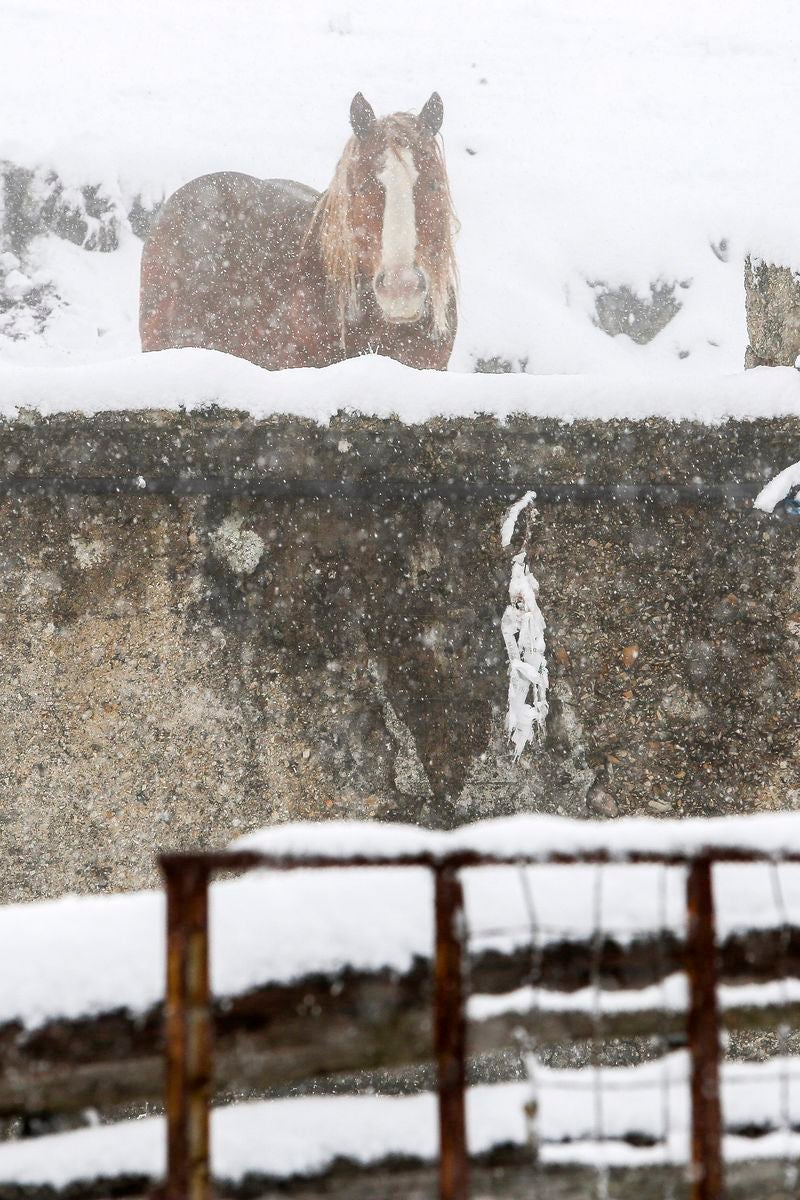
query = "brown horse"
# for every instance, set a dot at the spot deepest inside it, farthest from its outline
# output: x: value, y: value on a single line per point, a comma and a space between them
x: 271, y: 271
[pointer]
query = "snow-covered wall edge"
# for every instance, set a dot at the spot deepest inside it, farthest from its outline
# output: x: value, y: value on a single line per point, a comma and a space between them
x: 379, y: 387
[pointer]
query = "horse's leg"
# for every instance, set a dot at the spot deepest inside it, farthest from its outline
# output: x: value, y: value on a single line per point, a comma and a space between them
x: 313, y: 337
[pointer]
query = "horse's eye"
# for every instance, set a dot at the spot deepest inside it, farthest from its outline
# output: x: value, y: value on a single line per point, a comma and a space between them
x: 434, y: 185
x: 365, y: 186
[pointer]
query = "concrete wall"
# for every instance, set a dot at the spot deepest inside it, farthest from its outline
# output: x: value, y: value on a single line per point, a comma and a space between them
x: 296, y: 621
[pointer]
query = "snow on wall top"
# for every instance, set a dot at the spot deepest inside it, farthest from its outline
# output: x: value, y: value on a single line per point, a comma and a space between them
x: 380, y: 387
x: 91, y: 954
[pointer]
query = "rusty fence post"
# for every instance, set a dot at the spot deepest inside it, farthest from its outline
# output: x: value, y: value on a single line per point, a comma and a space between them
x: 187, y: 1030
x: 450, y: 1033
x: 703, y: 1033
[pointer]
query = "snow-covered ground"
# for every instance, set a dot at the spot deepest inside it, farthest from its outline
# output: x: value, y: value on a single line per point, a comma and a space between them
x: 590, y: 147
x: 84, y: 955
x: 90, y: 954
x: 584, y: 1115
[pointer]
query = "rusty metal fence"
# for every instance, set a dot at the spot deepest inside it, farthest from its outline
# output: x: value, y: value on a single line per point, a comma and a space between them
x: 189, y: 1042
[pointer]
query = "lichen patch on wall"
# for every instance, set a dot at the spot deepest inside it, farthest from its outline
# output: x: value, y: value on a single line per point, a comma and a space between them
x: 240, y: 549
x: 88, y: 553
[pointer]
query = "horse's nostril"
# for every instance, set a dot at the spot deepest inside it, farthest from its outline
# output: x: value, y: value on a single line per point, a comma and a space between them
x: 420, y: 279
x: 380, y: 280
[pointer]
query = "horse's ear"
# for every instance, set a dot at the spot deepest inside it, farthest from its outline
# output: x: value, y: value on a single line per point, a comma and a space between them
x: 432, y: 114
x: 362, y: 115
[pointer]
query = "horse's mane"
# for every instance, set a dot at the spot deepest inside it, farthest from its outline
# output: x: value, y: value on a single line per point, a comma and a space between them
x: 335, y: 235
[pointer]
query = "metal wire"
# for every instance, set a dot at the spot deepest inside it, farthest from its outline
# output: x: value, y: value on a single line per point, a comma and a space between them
x: 532, y: 1112
x: 642, y: 1085
x: 601, y: 1178
x: 538, y: 935
x: 563, y: 932
x: 588, y: 1085
x: 666, y: 1082
x: 784, y: 1083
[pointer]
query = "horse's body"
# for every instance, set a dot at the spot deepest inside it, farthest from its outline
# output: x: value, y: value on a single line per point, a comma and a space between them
x: 274, y: 272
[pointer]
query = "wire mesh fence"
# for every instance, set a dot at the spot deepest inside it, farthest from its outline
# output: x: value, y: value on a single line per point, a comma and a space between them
x: 585, y: 1108
x: 618, y: 1017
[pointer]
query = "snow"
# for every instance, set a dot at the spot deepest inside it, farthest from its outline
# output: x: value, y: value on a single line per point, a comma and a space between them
x: 522, y: 626
x: 91, y: 954
x: 778, y: 489
x: 511, y: 517
x: 303, y: 1136
x: 652, y: 1099
x: 671, y: 994
x: 586, y: 151
x: 537, y: 836
x: 280, y: 1138
x: 98, y: 953
x: 83, y: 955
x: 624, y: 146
x: 339, y: 839
x: 193, y: 379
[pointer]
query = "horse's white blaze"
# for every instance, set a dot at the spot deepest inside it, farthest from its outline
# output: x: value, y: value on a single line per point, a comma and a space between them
x: 400, y: 293
x: 399, y: 235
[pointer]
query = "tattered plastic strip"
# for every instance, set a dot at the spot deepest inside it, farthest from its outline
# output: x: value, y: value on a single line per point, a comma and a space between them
x: 523, y: 627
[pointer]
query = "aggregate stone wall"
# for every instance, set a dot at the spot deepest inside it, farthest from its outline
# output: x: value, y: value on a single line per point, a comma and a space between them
x: 772, y: 302
x: 210, y: 624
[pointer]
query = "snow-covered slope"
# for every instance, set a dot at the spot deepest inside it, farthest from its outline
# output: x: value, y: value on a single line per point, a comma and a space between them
x: 590, y: 147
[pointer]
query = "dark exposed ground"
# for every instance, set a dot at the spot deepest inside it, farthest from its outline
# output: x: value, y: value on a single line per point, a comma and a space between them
x: 176, y: 669
x: 509, y: 1175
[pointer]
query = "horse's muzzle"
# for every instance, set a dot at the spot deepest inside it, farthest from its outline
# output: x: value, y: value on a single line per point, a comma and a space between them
x: 401, y: 294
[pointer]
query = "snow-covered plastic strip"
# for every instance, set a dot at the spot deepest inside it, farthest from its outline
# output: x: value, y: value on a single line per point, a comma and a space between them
x: 523, y: 627
x: 778, y: 489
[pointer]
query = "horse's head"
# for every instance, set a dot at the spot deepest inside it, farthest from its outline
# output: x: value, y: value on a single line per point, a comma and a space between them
x: 388, y: 221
